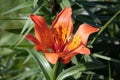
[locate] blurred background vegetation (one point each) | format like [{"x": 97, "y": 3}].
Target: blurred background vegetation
[{"x": 17, "y": 64}]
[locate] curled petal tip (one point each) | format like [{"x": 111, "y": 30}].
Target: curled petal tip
[
  {"x": 85, "y": 30},
  {"x": 90, "y": 27},
  {"x": 31, "y": 15}
]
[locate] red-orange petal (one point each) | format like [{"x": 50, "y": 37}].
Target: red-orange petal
[
  {"x": 42, "y": 32},
  {"x": 39, "y": 46},
  {"x": 39, "y": 21},
  {"x": 66, "y": 60},
  {"x": 63, "y": 18},
  {"x": 73, "y": 43},
  {"x": 81, "y": 50},
  {"x": 63, "y": 26},
  {"x": 84, "y": 31},
  {"x": 32, "y": 38},
  {"x": 80, "y": 37},
  {"x": 40, "y": 26},
  {"x": 52, "y": 57}
]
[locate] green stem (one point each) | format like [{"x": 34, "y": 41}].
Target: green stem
[
  {"x": 104, "y": 27},
  {"x": 109, "y": 70},
  {"x": 55, "y": 68}
]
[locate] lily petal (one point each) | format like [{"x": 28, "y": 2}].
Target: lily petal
[
  {"x": 81, "y": 50},
  {"x": 66, "y": 59},
  {"x": 52, "y": 57},
  {"x": 42, "y": 32},
  {"x": 63, "y": 26},
  {"x": 39, "y": 21},
  {"x": 84, "y": 31},
  {"x": 39, "y": 46},
  {"x": 64, "y": 19},
  {"x": 80, "y": 37},
  {"x": 73, "y": 43}
]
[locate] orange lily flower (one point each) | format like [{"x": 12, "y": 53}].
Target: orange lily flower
[{"x": 58, "y": 43}]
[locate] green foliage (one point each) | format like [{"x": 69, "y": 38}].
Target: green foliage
[
  {"x": 78, "y": 68},
  {"x": 20, "y": 61},
  {"x": 42, "y": 62}
]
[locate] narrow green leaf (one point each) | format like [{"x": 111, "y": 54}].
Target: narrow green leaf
[
  {"x": 42, "y": 62},
  {"x": 54, "y": 71},
  {"x": 92, "y": 15},
  {"x": 27, "y": 59},
  {"x": 35, "y": 3},
  {"x": 8, "y": 40},
  {"x": 104, "y": 27},
  {"x": 18, "y": 42},
  {"x": 12, "y": 18},
  {"x": 64, "y": 3},
  {"x": 36, "y": 10},
  {"x": 23, "y": 5},
  {"x": 109, "y": 70},
  {"x": 78, "y": 68},
  {"x": 57, "y": 69},
  {"x": 28, "y": 26},
  {"x": 26, "y": 74},
  {"x": 106, "y": 58}
]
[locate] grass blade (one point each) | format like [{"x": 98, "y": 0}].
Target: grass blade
[
  {"x": 78, "y": 68},
  {"x": 104, "y": 27},
  {"x": 42, "y": 62},
  {"x": 27, "y": 26},
  {"x": 106, "y": 58},
  {"x": 64, "y": 3},
  {"x": 26, "y": 74},
  {"x": 23, "y": 5},
  {"x": 93, "y": 16}
]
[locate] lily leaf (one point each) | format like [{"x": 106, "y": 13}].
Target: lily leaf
[
  {"x": 106, "y": 58},
  {"x": 28, "y": 27},
  {"x": 26, "y": 74},
  {"x": 23, "y": 5},
  {"x": 42, "y": 63},
  {"x": 78, "y": 68},
  {"x": 64, "y": 3}
]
